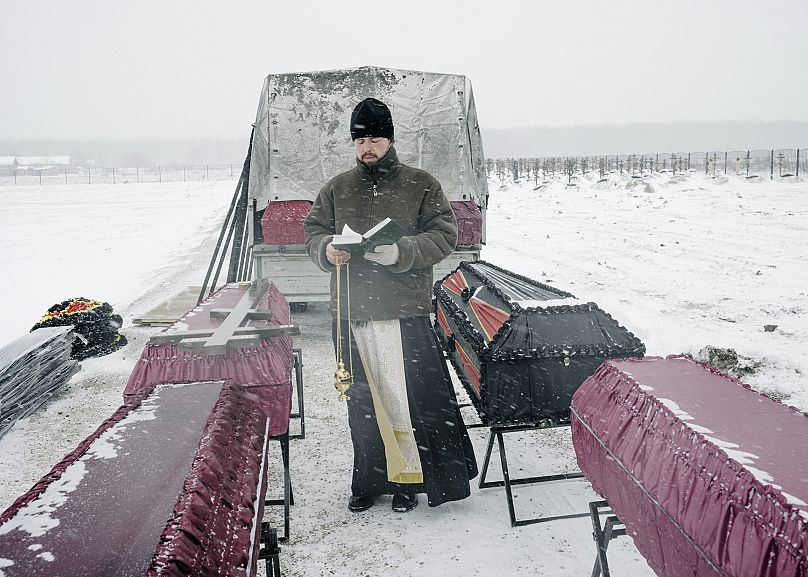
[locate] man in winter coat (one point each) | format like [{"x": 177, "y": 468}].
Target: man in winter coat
[{"x": 407, "y": 434}]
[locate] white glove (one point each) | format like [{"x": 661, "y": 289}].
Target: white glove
[{"x": 386, "y": 254}]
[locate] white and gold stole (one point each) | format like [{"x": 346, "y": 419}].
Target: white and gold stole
[{"x": 382, "y": 354}]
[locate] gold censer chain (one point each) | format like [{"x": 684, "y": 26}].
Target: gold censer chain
[{"x": 343, "y": 379}]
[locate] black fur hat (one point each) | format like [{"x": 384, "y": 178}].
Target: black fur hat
[{"x": 371, "y": 117}]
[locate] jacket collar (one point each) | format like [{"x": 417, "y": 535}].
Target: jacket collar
[{"x": 386, "y": 167}]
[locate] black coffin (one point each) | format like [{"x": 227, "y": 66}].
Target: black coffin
[{"x": 522, "y": 348}]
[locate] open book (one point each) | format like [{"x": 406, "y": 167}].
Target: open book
[{"x": 387, "y": 231}]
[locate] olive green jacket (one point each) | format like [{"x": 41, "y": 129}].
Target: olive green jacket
[{"x": 360, "y": 198}]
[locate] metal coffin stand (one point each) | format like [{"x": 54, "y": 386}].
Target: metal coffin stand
[
  {"x": 603, "y": 534},
  {"x": 270, "y": 551},
  {"x": 269, "y": 535},
  {"x": 521, "y": 362},
  {"x": 497, "y": 433},
  {"x": 288, "y": 496},
  {"x": 297, "y": 367}
]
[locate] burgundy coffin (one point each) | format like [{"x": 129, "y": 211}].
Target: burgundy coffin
[
  {"x": 171, "y": 484},
  {"x": 709, "y": 477},
  {"x": 469, "y": 223},
  {"x": 265, "y": 370},
  {"x": 282, "y": 222}
]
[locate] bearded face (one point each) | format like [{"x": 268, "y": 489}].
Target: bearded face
[{"x": 371, "y": 148}]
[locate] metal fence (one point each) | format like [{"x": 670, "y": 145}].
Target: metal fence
[
  {"x": 10, "y": 175},
  {"x": 774, "y": 164}
]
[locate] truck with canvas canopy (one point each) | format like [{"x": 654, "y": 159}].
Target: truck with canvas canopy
[{"x": 301, "y": 139}]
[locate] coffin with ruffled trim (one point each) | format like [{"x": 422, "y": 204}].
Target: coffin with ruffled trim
[
  {"x": 709, "y": 476},
  {"x": 520, "y": 347},
  {"x": 265, "y": 369},
  {"x": 173, "y": 483}
]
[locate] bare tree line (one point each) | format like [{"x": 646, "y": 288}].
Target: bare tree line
[{"x": 773, "y": 164}]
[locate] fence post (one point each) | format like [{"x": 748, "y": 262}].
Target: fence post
[
  {"x": 15, "y": 171},
  {"x": 771, "y": 172},
  {"x": 40, "y": 177},
  {"x": 725, "y": 162},
  {"x": 798, "y": 162},
  {"x": 65, "y": 175},
  {"x": 231, "y": 170},
  {"x": 207, "y": 174},
  {"x": 113, "y": 175},
  {"x": 160, "y": 174}
]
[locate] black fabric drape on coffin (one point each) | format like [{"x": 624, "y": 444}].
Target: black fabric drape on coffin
[{"x": 447, "y": 456}]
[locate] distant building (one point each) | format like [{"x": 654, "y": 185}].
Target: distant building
[{"x": 34, "y": 162}]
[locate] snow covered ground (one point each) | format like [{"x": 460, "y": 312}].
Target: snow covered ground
[{"x": 683, "y": 261}]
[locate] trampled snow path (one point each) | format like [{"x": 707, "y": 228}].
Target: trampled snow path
[{"x": 682, "y": 261}]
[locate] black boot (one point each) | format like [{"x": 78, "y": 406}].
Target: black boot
[
  {"x": 360, "y": 502},
  {"x": 403, "y": 502}
]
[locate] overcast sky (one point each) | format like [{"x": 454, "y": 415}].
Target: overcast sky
[{"x": 181, "y": 68}]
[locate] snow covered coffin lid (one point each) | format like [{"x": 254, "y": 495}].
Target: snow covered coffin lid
[
  {"x": 520, "y": 347},
  {"x": 172, "y": 484},
  {"x": 709, "y": 476}
]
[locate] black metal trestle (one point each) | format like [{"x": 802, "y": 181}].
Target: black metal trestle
[
  {"x": 269, "y": 535},
  {"x": 602, "y": 534},
  {"x": 508, "y": 482},
  {"x": 297, "y": 367},
  {"x": 288, "y": 496},
  {"x": 270, "y": 550}
]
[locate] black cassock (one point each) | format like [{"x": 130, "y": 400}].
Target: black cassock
[{"x": 446, "y": 453}]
